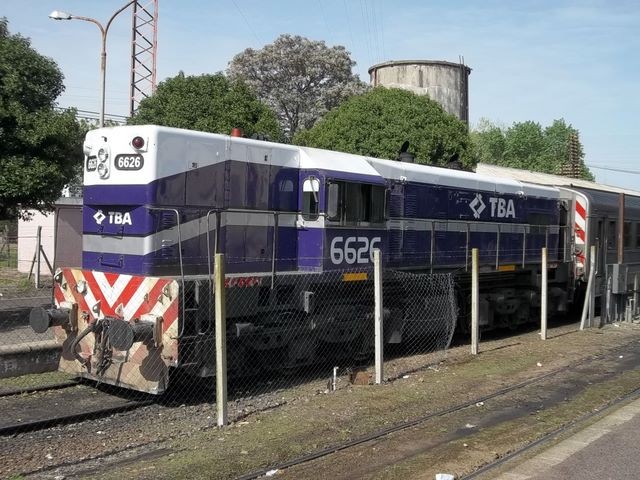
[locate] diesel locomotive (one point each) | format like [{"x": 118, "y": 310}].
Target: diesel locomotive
[{"x": 159, "y": 202}]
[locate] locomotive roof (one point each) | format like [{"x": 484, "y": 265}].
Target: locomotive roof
[
  {"x": 413, "y": 172},
  {"x": 367, "y": 168},
  {"x": 549, "y": 179},
  {"x": 337, "y": 162}
]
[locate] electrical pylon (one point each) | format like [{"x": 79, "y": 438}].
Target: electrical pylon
[{"x": 144, "y": 49}]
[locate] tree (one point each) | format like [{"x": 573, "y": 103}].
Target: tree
[
  {"x": 40, "y": 148},
  {"x": 490, "y": 143},
  {"x": 300, "y": 79},
  {"x": 378, "y": 122},
  {"x": 558, "y": 140},
  {"x": 527, "y": 145},
  {"x": 209, "y": 103}
]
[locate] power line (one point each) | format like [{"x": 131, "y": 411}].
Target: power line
[
  {"x": 611, "y": 169},
  {"x": 93, "y": 115},
  {"x": 374, "y": 28},
  {"x": 384, "y": 56},
  {"x": 346, "y": 12},
  {"x": 326, "y": 23},
  {"x": 255, "y": 35},
  {"x": 367, "y": 31}
]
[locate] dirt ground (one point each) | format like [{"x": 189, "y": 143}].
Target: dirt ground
[{"x": 587, "y": 370}]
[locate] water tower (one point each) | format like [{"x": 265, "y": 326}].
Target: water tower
[{"x": 444, "y": 82}]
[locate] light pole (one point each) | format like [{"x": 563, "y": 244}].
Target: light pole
[{"x": 57, "y": 15}]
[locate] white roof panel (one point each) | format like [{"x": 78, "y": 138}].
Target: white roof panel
[
  {"x": 413, "y": 172},
  {"x": 548, "y": 179},
  {"x": 336, "y": 161}
]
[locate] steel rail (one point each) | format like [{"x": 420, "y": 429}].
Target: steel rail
[
  {"x": 549, "y": 436},
  {"x": 45, "y": 423},
  {"x": 39, "y": 388}
]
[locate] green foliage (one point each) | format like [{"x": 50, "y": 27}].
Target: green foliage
[
  {"x": 527, "y": 145},
  {"x": 300, "y": 79},
  {"x": 209, "y": 103},
  {"x": 378, "y": 122},
  {"x": 40, "y": 149}
]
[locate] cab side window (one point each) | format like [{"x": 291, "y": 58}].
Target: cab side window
[
  {"x": 310, "y": 202},
  {"x": 350, "y": 203}
]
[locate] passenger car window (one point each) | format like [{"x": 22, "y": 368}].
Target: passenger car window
[
  {"x": 611, "y": 235},
  {"x": 627, "y": 235}
]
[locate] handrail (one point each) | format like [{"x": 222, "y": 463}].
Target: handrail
[
  {"x": 274, "y": 243},
  {"x": 498, "y": 248},
  {"x": 524, "y": 247},
  {"x": 274, "y": 238},
  {"x": 174, "y": 210}
]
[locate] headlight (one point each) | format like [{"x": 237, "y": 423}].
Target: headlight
[
  {"x": 103, "y": 155},
  {"x": 103, "y": 170}
]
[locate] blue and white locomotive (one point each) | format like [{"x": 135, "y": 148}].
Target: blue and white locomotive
[
  {"x": 159, "y": 202},
  {"x": 151, "y": 210}
]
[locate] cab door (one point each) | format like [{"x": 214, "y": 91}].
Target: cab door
[{"x": 310, "y": 222}]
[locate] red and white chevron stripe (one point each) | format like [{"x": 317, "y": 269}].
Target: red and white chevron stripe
[
  {"x": 580, "y": 229},
  {"x": 120, "y": 296}
]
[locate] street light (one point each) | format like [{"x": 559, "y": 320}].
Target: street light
[{"x": 58, "y": 15}]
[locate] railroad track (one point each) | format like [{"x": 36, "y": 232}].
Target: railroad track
[
  {"x": 45, "y": 407},
  {"x": 40, "y": 388},
  {"x": 486, "y": 469},
  {"x": 573, "y": 367}
]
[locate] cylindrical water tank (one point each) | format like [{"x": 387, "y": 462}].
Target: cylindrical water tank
[{"x": 445, "y": 82}]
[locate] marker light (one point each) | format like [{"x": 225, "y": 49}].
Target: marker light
[{"x": 137, "y": 142}]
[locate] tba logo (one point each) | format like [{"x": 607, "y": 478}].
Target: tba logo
[
  {"x": 477, "y": 205},
  {"x": 99, "y": 217},
  {"x": 115, "y": 218}
]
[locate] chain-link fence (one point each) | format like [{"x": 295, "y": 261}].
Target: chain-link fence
[
  {"x": 304, "y": 328},
  {"x": 293, "y": 333},
  {"x": 27, "y": 248},
  {"x": 421, "y": 318},
  {"x": 18, "y": 296},
  {"x": 8, "y": 245},
  {"x": 310, "y": 330},
  {"x": 22, "y": 251}
]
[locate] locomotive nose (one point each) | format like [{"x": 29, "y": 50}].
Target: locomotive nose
[{"x": 42, "y": 319}]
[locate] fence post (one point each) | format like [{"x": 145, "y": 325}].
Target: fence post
[
  {"x": 379, "y": 314},
  {"x": 636, "y": 286},
  {"x": 589, "y": 298},
  {"x": 592, "y": 293},
  {"x": 544, "y": 300},
  {"x": 221, "y": 340},
  {"x": 475, "y": 310},
  {"x": 38, "y": 243}
]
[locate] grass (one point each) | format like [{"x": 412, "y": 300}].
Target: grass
[
  {"x": 33, "y": 380},
  {"x": 8, "y": 255},
  {"x": 16, "y": 284}
]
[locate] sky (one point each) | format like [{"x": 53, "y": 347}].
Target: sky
[{"x": 530, "y": 60}]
